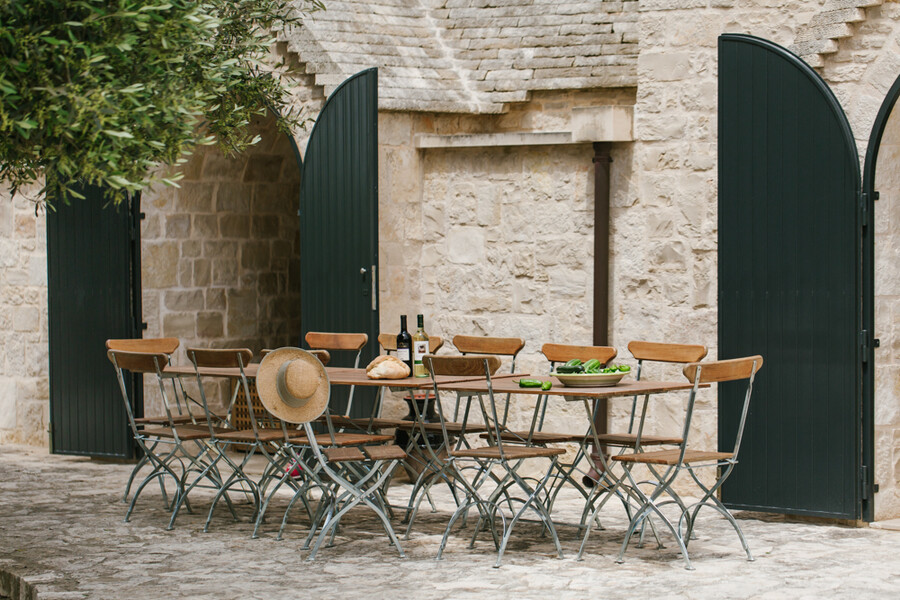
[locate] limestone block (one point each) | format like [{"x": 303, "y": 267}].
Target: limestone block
[
  {"x": 205, "y": 226},
  {"x": 180, "y": 325},
  {"x": 8, "y": 253},
  {"x": 217, "y": 167},
  {"x": 233, "y": 197},
  {"x": 215, "y": 299},
  {"x": 178, "y": 226},
  {"x": 263, "y": 167},
  {"x": 241, "y": 313},
  {"x": 183, "y": 301},
  {"x": 195, "y": 197},
  {"x": 31, "y": 425},
  {"x": 276, "y": 198},
  {"x": 159, "y": 264},
  {"x": 887, "y": 395},
  {"x": 224, "y": 271},
  {"x": 255, "y": 255},
  {"x": 264, "y": 227},
  {"x": 26, "y": 318},
  {"x": 665, "y": 66},
  {"x": 568, "y": 283},
  {"x": 602, "y": 124},
  {"x": 210, "y": 325},
  {"x": 7, "y": 403}
]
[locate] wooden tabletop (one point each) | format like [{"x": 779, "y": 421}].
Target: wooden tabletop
[
  {"x": 340, "y": 376},
  {"x": 623, "y": 388}
]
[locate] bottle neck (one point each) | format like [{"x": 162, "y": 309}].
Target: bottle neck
[{"x": 403, "y": 323}]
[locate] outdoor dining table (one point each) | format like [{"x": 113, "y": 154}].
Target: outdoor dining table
[{"x": 587, "y": 395}]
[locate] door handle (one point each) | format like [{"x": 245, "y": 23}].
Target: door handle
[
  {"x": 362, "y": 270},
  {"x": 374, "y": 287}
]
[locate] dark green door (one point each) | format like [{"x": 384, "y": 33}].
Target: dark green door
[
  {"x": 339, "y": 224},
  {"x": 94, "y": 294},
  {"x": 790, "y": 283}
]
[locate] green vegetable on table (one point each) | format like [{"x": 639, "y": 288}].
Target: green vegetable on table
[
  {"x": 527, "y": 383},
  {"x": 535, "y": 383}
]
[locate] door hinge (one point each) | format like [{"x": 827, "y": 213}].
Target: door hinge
[
  {"x": 864, "y": 210},
  {"x": 864, "y": 345},
  {"x": 864, "y": 481}
]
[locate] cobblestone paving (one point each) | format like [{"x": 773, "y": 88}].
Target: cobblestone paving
[{"x": 62, "y": 532}]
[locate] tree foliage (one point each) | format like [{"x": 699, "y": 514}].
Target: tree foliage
[{"x": 108, "y": 91}]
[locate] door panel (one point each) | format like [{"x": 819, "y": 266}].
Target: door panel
[
  {"x": 92, "y": 277},
  {"x": 789, "y": 282},
  {"x": 339, "y": 224}
]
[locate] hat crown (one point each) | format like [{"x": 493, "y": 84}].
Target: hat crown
[{"x": 301, "y": 379}]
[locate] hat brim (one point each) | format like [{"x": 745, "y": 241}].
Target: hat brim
[{"x": 270, "y": 396}]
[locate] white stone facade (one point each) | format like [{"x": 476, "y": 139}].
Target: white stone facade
[{"x": 495, "y": 237}]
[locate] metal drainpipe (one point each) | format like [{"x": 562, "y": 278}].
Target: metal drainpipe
[{"x": 602, "y": 159}]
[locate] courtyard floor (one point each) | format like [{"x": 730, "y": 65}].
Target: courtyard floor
[{"x": 62, "y": 535}]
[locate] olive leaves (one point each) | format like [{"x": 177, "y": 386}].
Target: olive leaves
[{"x": 109, "y": 91}]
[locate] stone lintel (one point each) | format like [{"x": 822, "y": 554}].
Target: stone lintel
[
  {"x": 476, "y": 140},
  {"x": 603, "y": 124},
  {"x": 588, "y": 124}
]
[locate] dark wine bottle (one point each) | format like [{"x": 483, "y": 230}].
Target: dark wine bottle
[{"x": 405, "y": 345}]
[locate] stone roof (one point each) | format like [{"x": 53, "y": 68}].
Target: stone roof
[{"x": 470, "y": 56}]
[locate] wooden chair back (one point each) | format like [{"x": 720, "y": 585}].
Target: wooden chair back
[
  {"x": 723, "y": 370},
  {"x": 157, "y": 345},
  {"x": 220, "y": 357},
  {"x": 461, "y": 365},
  {"x": 323, "y": 355},
  {"x": 662, "y": 352},
  {"x": 561, "y": 353},
  {"x": 470, "y": 344},
  {"x": 318, "y": 340},
  {"x": 388, "y": 342},
  {"x": 138, "y": 362}
]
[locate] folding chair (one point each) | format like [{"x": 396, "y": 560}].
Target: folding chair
[
  {"x": 352, "y": 342},
  {"x": 536, "y": 435},
  {"x": 507, "y": 458},
  {"x": 293, "y": 385},
  {"x": 249, "y": 441},
  {"x": 666, "y": 465},
  {"x": 493, "y": 346},
  {"x": 166, "y": 346},
  {"x": 164, "y": 446}
]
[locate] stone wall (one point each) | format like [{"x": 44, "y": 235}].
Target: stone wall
[
  {"x": 887, "y": 322},
  {"x": 24, "y": 387},
  {"x": 220, "y": 254}
]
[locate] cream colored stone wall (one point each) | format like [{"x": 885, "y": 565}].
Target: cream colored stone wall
[
  {"x": 220, "y": 254},
  {"x": 887, "y": 322},
  {"x": 24, "y": 388}
]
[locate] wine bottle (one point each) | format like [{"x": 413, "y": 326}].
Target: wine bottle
[
  {"x": 404, "y": 344},
  {"x": 420, "y": 348}
]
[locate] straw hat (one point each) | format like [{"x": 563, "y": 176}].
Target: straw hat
[{"x": 292, "y": 384}]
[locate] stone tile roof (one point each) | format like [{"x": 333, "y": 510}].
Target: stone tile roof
[{"x": 470, "y": 56}]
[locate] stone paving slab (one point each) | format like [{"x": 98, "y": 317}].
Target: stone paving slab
[{"x": 62, "y": 531}]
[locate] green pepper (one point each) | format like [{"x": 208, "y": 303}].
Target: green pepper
[
  {"x": 546, "y": 385},
  {"x": 528, "y": 383},
  {"x": 624, "y": 368}
]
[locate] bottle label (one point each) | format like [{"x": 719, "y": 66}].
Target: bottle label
[
  {"x": 403, "y": 354},
  {"x": 420, "y": 350}
]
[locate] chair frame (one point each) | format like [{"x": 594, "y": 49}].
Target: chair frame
[
  {"x": 148, "y": 439},
  {"x": 684, "y": 459},
  {"x": 495, "y": 454}
]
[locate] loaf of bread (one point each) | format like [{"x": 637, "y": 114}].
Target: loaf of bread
[{"x": 387, "y": 367}]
